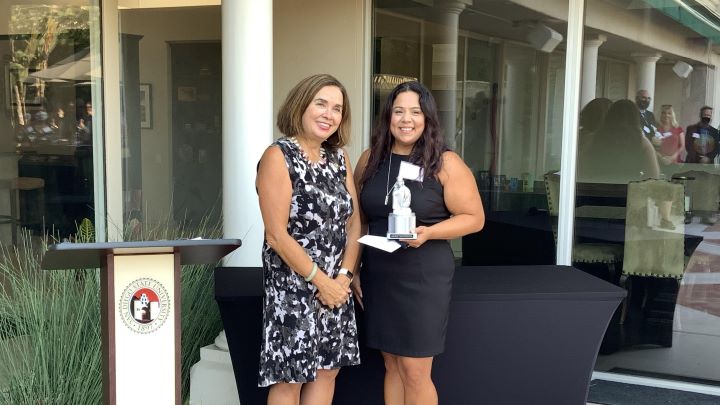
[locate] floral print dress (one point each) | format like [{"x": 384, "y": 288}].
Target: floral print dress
[{"x": 300, "y": 335}]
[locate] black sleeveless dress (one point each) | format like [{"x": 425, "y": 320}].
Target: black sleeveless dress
[{"x": 406, "y": 293}]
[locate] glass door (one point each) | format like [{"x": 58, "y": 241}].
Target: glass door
[{"x": 50, "y": 121}]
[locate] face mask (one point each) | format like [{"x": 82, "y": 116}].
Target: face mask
[{"x": 705, "y": 120}]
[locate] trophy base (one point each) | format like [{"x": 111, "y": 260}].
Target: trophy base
[{"x": 395, "y": 235}]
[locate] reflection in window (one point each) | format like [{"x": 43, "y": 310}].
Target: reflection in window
[
  {"x": 47, "y": 124},
  {"x": 500, "y": 100},
  {"x": 172, "y": 101},
  {"x": 648, "y": 73}
]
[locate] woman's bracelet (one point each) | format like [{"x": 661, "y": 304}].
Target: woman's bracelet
[{"x": 312, "y": 274}]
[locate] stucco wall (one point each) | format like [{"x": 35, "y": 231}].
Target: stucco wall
[{"x": 322, "y": 36}]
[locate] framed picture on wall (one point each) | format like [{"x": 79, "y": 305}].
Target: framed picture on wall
[
  {"x": 187, "y": 94},
  {"x": 146, "y": 105}
]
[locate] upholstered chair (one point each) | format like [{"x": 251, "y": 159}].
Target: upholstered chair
[
  {"x": 608, "y": 254},
  {"x": 654, "y": 234}
]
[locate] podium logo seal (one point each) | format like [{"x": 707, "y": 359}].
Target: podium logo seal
[{"x": 144, "y": 305}]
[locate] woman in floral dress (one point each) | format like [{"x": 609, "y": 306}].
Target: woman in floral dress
[{"x": 307, "y": 199}]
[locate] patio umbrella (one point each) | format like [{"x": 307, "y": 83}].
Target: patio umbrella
[{"x": 76, "y": 67}]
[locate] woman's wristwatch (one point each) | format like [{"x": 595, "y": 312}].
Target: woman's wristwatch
[{"x": 346, "y": 272}]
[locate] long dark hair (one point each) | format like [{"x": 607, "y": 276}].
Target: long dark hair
[
  {"x": 622, "y": 115},
  {"x": 427, "y": 151}
]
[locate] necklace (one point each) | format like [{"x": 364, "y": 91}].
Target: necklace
[
  {"x": 320, "y": 161},
  {"x": 387, "y": 184}
]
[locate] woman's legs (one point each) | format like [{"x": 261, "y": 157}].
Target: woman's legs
[
  {"x": 394, "y": 391},
  {"x": 284, "y": 394},
  {"x": 417, "y": 382},
  {"x": 320, "y": 391}
]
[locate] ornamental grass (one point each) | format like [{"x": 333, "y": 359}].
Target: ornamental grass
[{"x": 50, "y": 320}]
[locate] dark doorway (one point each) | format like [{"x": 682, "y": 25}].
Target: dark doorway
[{"x": 196, "y": 85}]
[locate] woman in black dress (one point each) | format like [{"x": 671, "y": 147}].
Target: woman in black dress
[
  {"x": 406, "y": 294},
  {"x": 307, "y": 196}
]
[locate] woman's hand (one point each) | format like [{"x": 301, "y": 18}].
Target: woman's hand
[
  {"x": 343, "y": 280},
  {"x": 331, "y": 292},
  {"x": 423, "y": 235},
  {"x": 357, "y": 290}
]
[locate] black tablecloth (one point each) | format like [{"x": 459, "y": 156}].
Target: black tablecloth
[
  {"x": 517, "y": 334},
  {"x": 516, "y": 238}
]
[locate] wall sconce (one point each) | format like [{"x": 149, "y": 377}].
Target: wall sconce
[
  {"x": 682, "y": 69},
  {"x": 544, "y": 38}
]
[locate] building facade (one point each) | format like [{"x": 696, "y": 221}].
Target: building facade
[{"x": 135, "y": 113}]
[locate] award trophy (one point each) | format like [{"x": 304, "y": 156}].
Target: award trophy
[{"x": 401, "y": 222}]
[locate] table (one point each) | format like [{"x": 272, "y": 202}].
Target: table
[
  {"x": 516, "y": 334},
  {"x": 67, "y": 196},
  {"x": 507, "y": 233}
]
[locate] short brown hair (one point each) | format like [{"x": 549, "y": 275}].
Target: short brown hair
[{"x": 289, "y": 118}]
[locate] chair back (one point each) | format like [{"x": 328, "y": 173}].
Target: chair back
[
  {"x": 704, "y": 190},
  {"x": 552, "y": 191},
  {"x": 654, "y": 229}
]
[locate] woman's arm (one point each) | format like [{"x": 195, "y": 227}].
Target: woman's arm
[
  {"x": 275, "y": 195},
  {"x": 691, "y": 155},
  {"x": 360, "y": 169},
  {"x": 652, "y": 165},
  {"x": 352, "y": 246},
  {"x": 461, "y": 197},
  {"x": 681, "y": 147}
]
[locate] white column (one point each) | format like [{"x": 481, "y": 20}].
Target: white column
[
  {"x": 568, "y": 161},
  {"x": 645, "y": 63},
  {"x": 107, "y": 149},
  {"x": 247, "y": 49},
  {"x": 589, "y": 68},
  {"x": 247, "y": 102},
  {"x": 444, "y": 65}
]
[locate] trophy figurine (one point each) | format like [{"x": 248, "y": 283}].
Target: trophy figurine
[{"x": 401, "y": 222}]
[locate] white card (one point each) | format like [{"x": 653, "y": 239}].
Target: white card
[
  {"x": 646, "y": 129},
  {"x": 666, "y": 134},
  {"x": 410, "y": 171},
  {"x": 380, "y": 242},
  {"x": 696, "y": 135}
]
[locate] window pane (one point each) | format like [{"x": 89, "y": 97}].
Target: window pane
[
  {"x": 171, "y": 73},
  {"x": 641, "y": 119},
  {"x": 499, "y": 91},
  {"x": 50, "y": 99}
]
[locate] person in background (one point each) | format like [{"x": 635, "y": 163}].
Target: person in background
[
  {"x": 647, "y": 118},
  {"x": 42, "y": 126},
  {"x": 308, "y": 205},
  {"x": 618, "y": 153},
  {"x": 669, "y": 141},
  {"x": 406, "y": 294},
  {"x": 701, "y": 139},
  {"x": 592, "y": 118},
  {"x": 63, "y": 124},
  {"x": 85, "y": 124}
]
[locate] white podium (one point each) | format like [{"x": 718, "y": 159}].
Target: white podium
[{"x": 140, "y": 306}]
